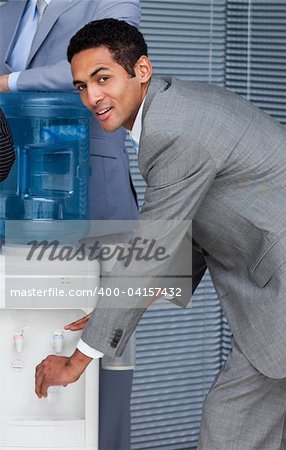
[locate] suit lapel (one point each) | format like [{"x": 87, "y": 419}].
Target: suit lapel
[
  {"x": 17, "y": 9},
  {"x": 156, "y": 85},
  {"x": 51, "y": 15}
]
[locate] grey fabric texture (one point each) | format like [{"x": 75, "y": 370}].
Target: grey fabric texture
[
  {"x": 244, "y": 409},
  {"x": 210, "y": 156}
]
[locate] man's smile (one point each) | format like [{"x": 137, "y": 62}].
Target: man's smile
[{"x": 103, "y": 113}]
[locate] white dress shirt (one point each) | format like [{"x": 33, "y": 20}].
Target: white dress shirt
[
  {"x": 20, "y": 50},
  {"x": 135, "y": 133},
  {"x": 88, "y": 351}
]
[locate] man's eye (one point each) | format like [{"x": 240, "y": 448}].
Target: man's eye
[
  {"x": 80, "y": 87},
  {"x": 103, "y": 79}
]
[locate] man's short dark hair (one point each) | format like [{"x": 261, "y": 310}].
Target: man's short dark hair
[{"x": 124, "y": 41}]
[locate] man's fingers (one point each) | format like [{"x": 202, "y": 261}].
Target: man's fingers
[
  {"x": 39, "y": 381},
  {"x": 53, "y": 371},
  {"x": 44, "y": 389},
  {"x": 38, "y": 367},
  {"x": 41, "y": 387},
  {"x": 78, "y": 324},
  {"x": 75, "y": 326}
]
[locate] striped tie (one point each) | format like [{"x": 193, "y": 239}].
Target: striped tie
[
  {"x": 41, "y": 6},
  {"x": 135, "y": 144}
]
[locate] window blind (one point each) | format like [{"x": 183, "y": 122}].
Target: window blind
[{"x": 256, "y": 53}]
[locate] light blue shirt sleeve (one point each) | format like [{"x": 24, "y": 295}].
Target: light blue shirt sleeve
[{"x": 12, "y": 81}]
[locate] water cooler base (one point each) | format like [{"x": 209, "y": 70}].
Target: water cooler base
[{"x": 65, "y": 420}]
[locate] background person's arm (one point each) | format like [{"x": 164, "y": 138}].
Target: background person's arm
[
  {"x": 7, "y": 152},
  {"x": 57, "y": 76}
]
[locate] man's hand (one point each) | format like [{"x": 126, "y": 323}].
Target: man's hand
[
  {"x": 4, "y": 83},
  {"x": 79, "y": 324},
  {"x": 59, "y": 371}
]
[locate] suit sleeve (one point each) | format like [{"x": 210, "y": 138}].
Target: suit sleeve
[
  {"x": 57, "y": 77},
  {"x": 7, "y": 153},
  {"x": 129, "y": 10},
  {"x": 178, "y": 177}
]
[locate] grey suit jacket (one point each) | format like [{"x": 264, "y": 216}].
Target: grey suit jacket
[
  {"x": 111, "y": 195},
  {"x": 212, "y": 157}
]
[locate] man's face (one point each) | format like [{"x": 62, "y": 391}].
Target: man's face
[{"x": 106, "y": 89}]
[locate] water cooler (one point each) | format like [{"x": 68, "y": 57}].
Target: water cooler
[
  {"x": 49, "y": 180},
  {"x": 45, "y": 197}
]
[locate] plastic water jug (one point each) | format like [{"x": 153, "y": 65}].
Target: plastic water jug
[{"x": 49, "y": 180}]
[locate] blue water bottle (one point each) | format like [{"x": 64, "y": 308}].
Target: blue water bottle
[{"x": 47, "y": 187}]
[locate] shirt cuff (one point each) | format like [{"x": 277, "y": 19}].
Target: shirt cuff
[
  {"x": 88, "y": 351},
  {"x": 12, "y": 81}
]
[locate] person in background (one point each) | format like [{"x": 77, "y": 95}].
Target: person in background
[
  {"x": 34, "y": 39},
  {"x": 7, "y": 152}
]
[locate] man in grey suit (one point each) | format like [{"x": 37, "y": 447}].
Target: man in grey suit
[
  {"x": 211, "y": 157},
  {"x": 34, "y": 38}
]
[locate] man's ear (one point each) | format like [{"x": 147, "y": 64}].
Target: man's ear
[{"x": 143, "y": 69}]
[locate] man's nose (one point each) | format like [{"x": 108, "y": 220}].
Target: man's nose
[{"x": 94, "y": 96}]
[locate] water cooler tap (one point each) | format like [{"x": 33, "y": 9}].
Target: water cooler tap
[
  {"x": 19, "y": 340},
  {"x": 58, "y": 341}
]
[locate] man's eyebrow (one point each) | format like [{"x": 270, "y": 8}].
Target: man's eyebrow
[
  {"x": 98, "y": 70},
  {"x": 95, "y": 72}
]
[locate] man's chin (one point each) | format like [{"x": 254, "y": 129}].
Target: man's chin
[{"x": 109, "y": 128}]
